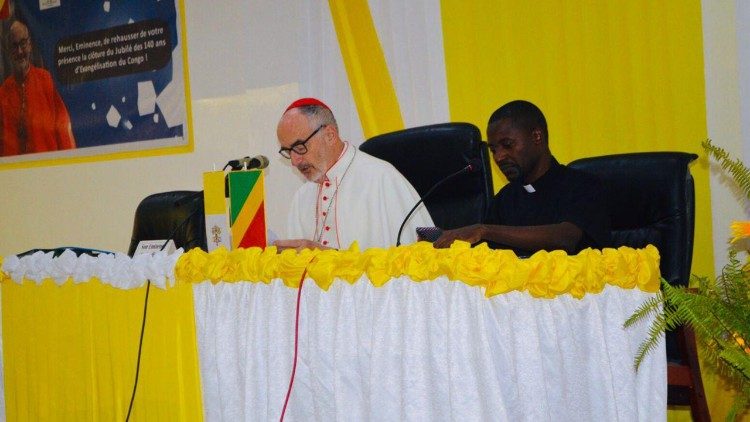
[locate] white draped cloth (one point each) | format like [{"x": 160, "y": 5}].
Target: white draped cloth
[
  {"x": 364, "y": 199},
  {"x": 436, "y": 350}
]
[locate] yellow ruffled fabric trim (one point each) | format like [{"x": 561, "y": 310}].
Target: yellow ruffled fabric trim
[{"x": 545, "y": 274}]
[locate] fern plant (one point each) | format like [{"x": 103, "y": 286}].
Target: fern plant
[{"x": 718, "y": 310}]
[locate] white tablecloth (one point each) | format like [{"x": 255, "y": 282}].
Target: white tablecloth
[{"x": 436, "y": 350}]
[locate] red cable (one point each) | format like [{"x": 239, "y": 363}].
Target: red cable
[{"x": 296, "y": 338}]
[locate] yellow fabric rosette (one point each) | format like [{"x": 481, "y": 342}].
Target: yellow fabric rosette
[
  {"x": 481, "y": 266},
  {"x": 378, "y": 265},
  {"x": 615, "y": 268},
  {"x": 590, "y": 277},
  {"x": 563, "y": 273},
  {"x": 419, "y": 261},
  {"x": 330, "y": 264},
  {"x": 540, "y": 267},
  {"x": 649, "y": 275},
  {"x": 291, "y": 265},
  {"x": 189, "y": 267},
  {"x": 255, "y": 264}
]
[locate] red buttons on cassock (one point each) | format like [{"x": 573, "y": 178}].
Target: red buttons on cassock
[
  {"x": 324, "y": 213},
  {"x": 325, "y": 198},
  {"x": 325, "y": 242},
  {"x": 328, "y": 184},
  {"x": 328, "y": 228}
]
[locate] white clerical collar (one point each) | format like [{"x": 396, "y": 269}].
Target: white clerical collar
[{"x": 338, "y": 169}]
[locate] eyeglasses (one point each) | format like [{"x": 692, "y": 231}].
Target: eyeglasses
[
  {"x": 22, "y": 43},
  {"x": 299, "y": 147}
]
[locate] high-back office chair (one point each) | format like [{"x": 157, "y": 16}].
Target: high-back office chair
[
  {"x": 427, "y": 154},
  {"x": 176, "y": 215},
  {"x": 651, "y": 199}
]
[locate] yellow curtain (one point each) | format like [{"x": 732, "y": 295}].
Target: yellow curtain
[
  {"x": 369, "y": 78},
  {"x": 611, "y": 76},
  {"x": 69, "y": 353}
]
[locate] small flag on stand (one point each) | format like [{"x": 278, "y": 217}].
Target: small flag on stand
[
  {"x": 215, "y": 206},
  {"x": 247, "y": 215}
]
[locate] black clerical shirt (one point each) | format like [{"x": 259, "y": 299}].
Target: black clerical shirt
[{"x": 561, "y": 195}]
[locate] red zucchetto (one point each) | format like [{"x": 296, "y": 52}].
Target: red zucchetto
[{"x": 302, "y": 102}]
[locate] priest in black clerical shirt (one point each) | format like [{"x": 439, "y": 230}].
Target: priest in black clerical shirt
[{"x": 546, "y": 205}]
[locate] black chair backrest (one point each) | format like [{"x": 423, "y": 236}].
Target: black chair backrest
[
  {"x": 651, "y": 199},
  {"x": 427, "y": 154},
  {"x": 176, "y": 215}
]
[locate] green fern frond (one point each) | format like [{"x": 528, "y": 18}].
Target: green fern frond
[
  {"x": 734, "y": 284},
  {"x": 741, "y": 402},
  {"x": 709, "y": 316},
  {"x": 737, "y": 359},
  {"x": 740, "y": 173},
  {"x": 712, "y": 320},
  {"x": 655, "y": 335},
  {"x": 652, "y": 306}
]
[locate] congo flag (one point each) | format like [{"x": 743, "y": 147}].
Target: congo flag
[{"x": 247, "y": 216}]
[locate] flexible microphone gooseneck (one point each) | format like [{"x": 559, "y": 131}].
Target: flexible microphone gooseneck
[{"x": 473, "y": 165}]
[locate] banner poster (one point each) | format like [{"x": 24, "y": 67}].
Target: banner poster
[{"x": 93, "y": 79}]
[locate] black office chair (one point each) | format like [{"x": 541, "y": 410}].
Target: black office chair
[
  {"x": 651, "y": 199},
  {"x": 176, "y": 215},
  {"x": 427, "y": 154}
]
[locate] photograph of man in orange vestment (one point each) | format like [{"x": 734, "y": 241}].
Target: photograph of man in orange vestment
[{"x": 33, "y": 117}]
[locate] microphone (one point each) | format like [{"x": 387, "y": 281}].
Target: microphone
[
  {"x": 247, "y": 163},
  {"x": 473, "y": 164}
]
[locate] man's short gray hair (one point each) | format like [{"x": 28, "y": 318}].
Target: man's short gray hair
[{"x": 319, "y": 116}]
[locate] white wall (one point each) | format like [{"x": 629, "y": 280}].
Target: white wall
[
  {"x": 742, "y": 40},
  {"x": 726, "y": 44}
]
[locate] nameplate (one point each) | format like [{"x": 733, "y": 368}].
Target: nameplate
[{"x": 151, "y": 246}]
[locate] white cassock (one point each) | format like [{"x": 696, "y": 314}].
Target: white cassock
[{"x": 363, "y": 198}]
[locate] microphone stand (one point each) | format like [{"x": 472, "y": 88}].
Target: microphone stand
[{"x": 466, "y": 169}]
